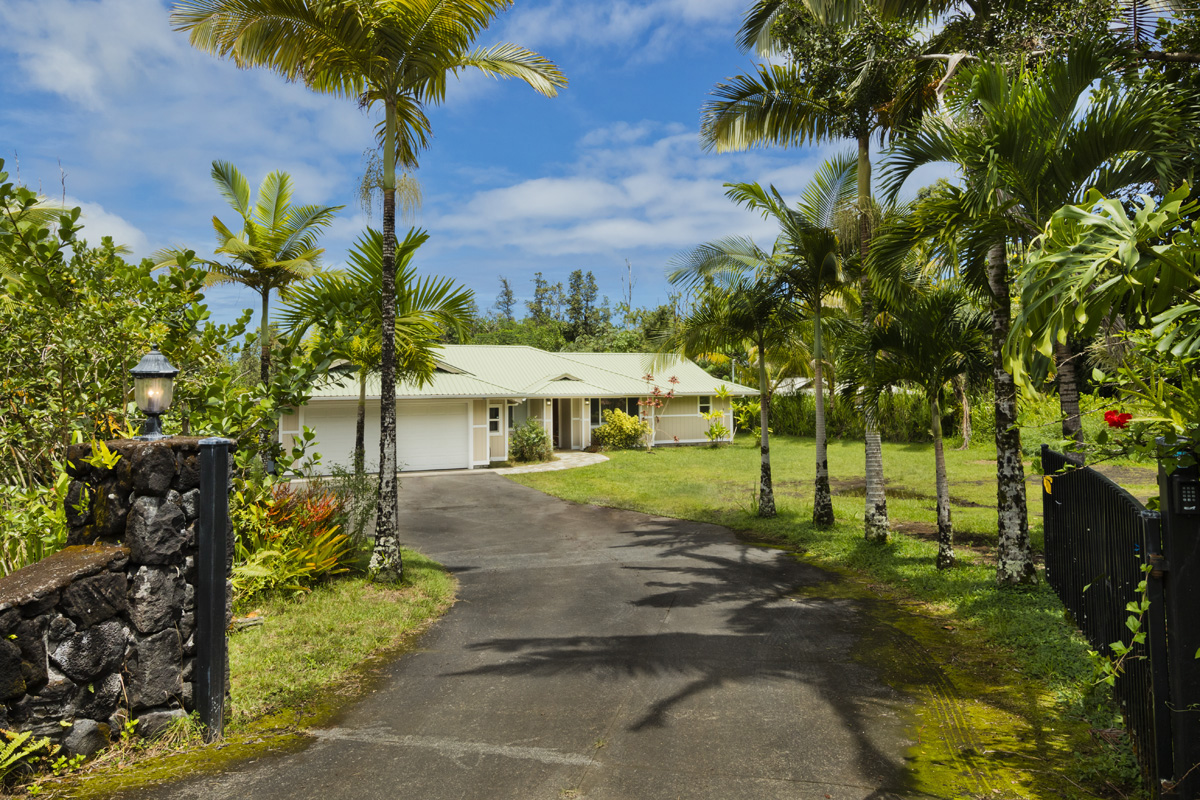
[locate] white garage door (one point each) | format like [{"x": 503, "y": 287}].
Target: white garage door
[
  {"x": 432, "y": 436},
  {"x": 429, "y": 435}
]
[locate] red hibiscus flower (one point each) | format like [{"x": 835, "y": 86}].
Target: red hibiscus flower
[{"x": 1116, "y": 419}]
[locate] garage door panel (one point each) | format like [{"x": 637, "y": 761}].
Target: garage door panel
[
  {"x": 432, "y": 436},
  {"x": 335, "y": 429},
  {"x": 428, "y": 435}
]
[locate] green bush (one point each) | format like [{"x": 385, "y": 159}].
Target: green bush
[
  {"x": 903, "y": 416},
  {"x": 35, "y": 523},
  {"x": 620, "y": 431},
  {"x": 287, "y": 541},
  {"x": 530, "y": 443},
  {"x": 359, "y": 495}
]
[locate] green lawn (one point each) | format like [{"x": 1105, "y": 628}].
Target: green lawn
[{"x": 1013, "y": 645}]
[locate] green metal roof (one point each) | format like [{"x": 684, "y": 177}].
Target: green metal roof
[{"x": 519, "y": 371}]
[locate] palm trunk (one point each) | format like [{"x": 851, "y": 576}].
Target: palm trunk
[
  {"x": 945, "y": 556},
  {"x": 1015, "y": 558},
  {"x": 360, "y": 424},
  {"x": 875, "y": 515},
  {"x": 264, "y": 375},
  {"x": 386, "y": 561},
  {"x": 822, "y": 501},
  {"x": 1068, "y": 392},
  {"x": 960, "y": 393},
  {"x": 766, "y": 494}
]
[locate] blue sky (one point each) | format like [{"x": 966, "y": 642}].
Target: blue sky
[{"x": 514, "y": 183}]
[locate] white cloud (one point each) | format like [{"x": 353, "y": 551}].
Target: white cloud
[
  {"x": 99, "y": 222},
  {"x": 624, "y": 24},
  {"x": 86, "y": 51},
  {"x": 629, "y": 190}
]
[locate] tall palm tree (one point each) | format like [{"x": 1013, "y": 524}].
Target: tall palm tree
[
  {"x": 347, "y": 308},
  {"x": 744, "y": 300},
  {"x": 1025, "y": 147},
  {"x": 858, "y": 93},
  {"x": 807, "y": 261},
  {"x": 396, "y": 54},
  {"x": 274, "y": 247},
  {"x": 935, "y": 336}
]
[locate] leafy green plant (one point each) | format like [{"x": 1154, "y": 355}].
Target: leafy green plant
[
  {"x": 35, "y": 523},
  {"x": 746, "y": 415},
  {"x": 21, "y": 750},
  {"x": 716, "y": 431},
  {"x": 620, "y": 431},
  {"x": 359, "y": 493},
  {"x": 287, "y": 540},
  {"x": 530, "y": 443}
]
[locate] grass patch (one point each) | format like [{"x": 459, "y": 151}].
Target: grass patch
[
  {"x": 1022, "y": 669},
  {"x": 306, "y": 648},
  {"x": 309, "y": 657}
]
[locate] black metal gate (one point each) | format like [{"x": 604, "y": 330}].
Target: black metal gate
[{"x": 1101, "y": 543}]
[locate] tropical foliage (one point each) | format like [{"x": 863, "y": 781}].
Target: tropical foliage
[
  {"x": 938, "y": 335},
  {"x": 400, "y": 56},
  {"x": 620, "y": 431},
  {"x": 530, "y": 443},
  {"x": 288, "y": 540},
  {"x": 346, "y": 310},
  {"x": 274, "y": 247}
]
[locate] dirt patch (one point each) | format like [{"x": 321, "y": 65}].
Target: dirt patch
[{"x": 1127, "y": 475}]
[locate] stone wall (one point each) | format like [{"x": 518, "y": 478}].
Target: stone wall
[{"x": 104, "y": 631}]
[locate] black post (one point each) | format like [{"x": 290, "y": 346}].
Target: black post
[
  {"x": 212, "y": 531},
  {"x": 1156, "y": 647},
  {"x": 1178, "y": 489}
]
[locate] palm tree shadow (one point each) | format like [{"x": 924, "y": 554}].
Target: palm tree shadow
[{"x": 763, "y": 633}]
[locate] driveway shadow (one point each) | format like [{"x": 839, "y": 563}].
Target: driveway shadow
[{"x": 761, "y": 631}]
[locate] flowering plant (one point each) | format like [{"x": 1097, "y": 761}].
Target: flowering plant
[{"x": 1116, "y": 419}]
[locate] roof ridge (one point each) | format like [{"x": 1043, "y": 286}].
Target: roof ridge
[{"x": 613, "y": 372}]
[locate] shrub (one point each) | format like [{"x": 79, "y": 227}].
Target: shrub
[
  {"x": 530, "y": 442},
  {"x": 620, "y": 431},
  {"x": 35, "y": 523},
  {"x": 716, "y": 428},
  {"x": 903, "y": 416},
  {"x": 747, "y": 416},
  {"x": 359, "y": 495},
  {"x": 287, "y": 540}
]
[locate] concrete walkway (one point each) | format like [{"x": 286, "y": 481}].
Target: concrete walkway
[
  {"x": 563, "y": 459},
  {"x": 601, "y": 654}
]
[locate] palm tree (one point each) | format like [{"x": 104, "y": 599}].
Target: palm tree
[
  {"x": 1025, "y": 148},
  {"x": 857, "y": 93},
  {"x": 399, "y": 55},
  {"x": 807, "y": 261},
  {"x": 743, "y": 301},
  {"x": 274, "y": 247},
  {"x": 346, "y": 306},
  {"x": 937, "y": 335}
]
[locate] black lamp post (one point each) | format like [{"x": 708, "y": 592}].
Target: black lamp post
[{"x": 153, "y": 386}]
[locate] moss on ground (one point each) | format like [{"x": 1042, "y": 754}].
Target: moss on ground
[{"x": 978, "y": 726}]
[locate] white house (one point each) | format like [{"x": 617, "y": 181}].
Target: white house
[{"x": 463, "y": 418}]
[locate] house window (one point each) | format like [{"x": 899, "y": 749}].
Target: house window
[
  {"x": 512, "y": 417},
  {"x": 493, "y": 419},
  {"x": 595, "y": 404},
  {"x": 705, "y": 404}
]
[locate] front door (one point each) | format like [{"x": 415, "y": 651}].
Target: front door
[{"x": 497, "y": 437}]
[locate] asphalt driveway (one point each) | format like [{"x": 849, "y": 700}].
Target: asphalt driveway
[{"x": 601, "y": 654}]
